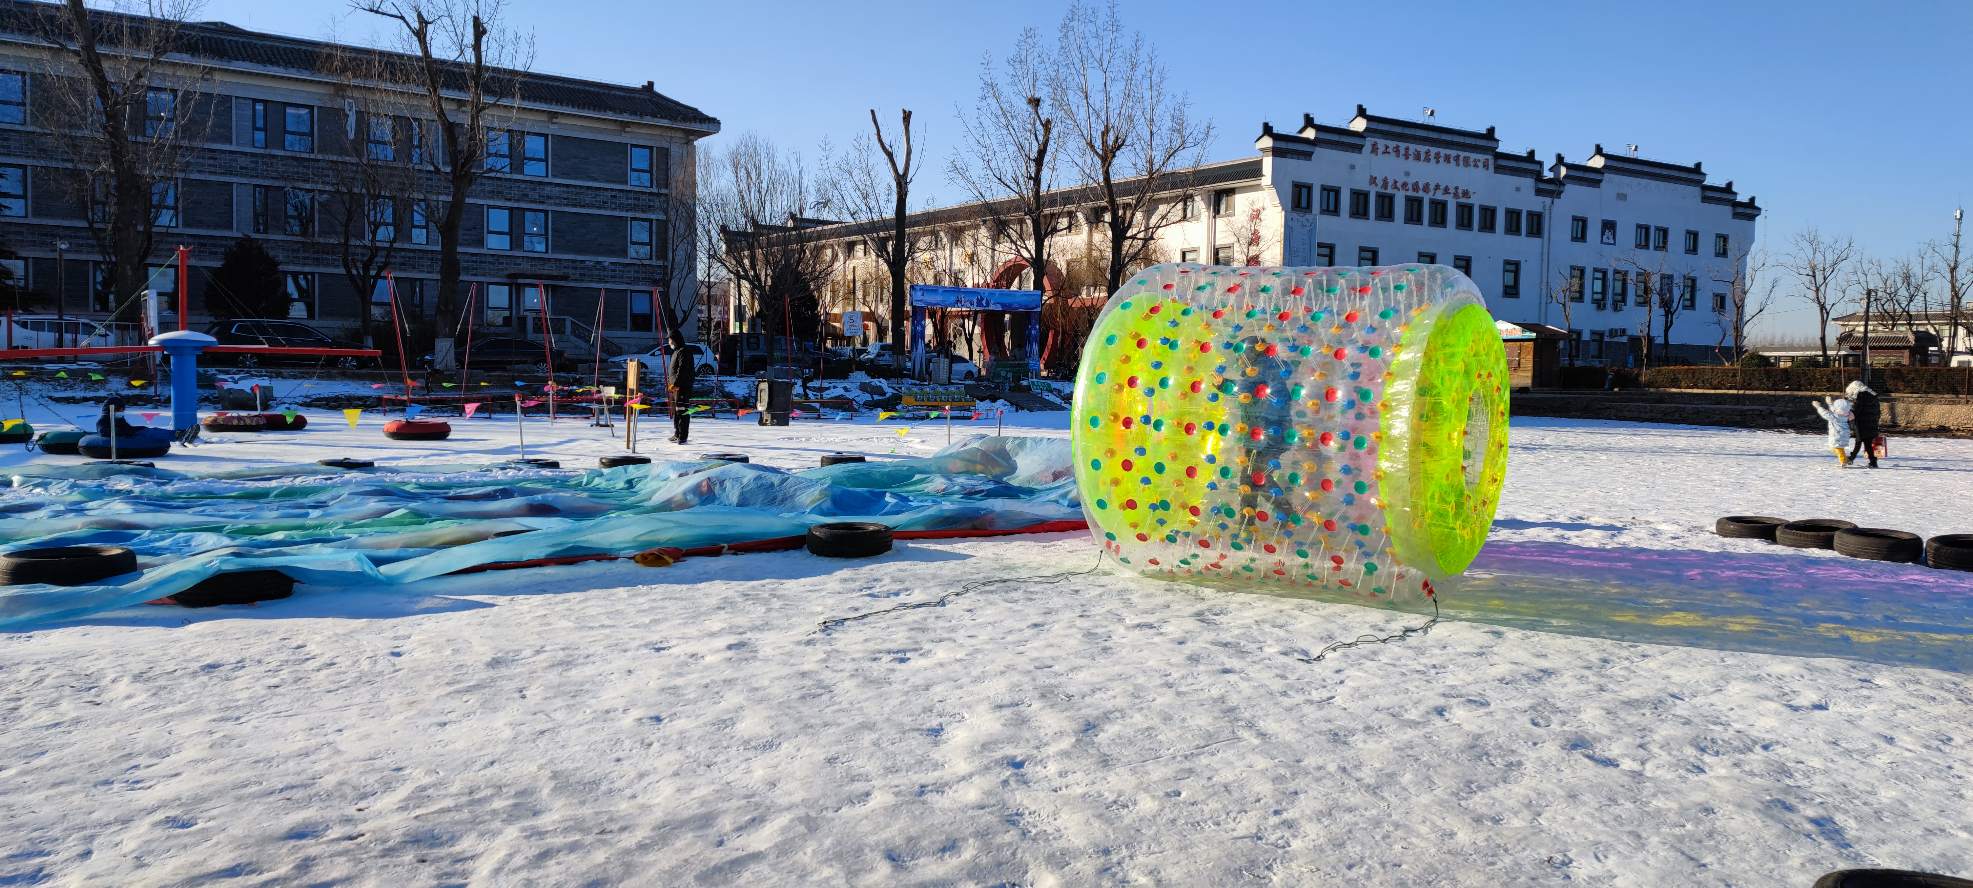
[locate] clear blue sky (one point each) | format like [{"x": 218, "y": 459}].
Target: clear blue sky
[{"x": 1849, "y": 116}]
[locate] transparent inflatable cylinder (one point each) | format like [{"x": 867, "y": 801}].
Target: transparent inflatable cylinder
[{"x": 1326, "y": 432}]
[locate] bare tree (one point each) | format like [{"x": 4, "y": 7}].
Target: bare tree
[
  {"x": 1133, "y": 140},
  {"x": 1749, "y": 294},
  {"x": 1820, "y": 263},
  {"x": 1248, "y": 235},
  {"x": 372, "y": 199},
  {"x": 1957, "y": 275},
  {"x": 464, "y": 69},
  {"x": 862, "y": 190},
  {"x": 1565, "y": 293},
  {"x": 756, "y": 206},
  {"x": 123, "y": 104},
  {"x": 1899, "y": 293},
  {"x": 1657, "y": 294}
]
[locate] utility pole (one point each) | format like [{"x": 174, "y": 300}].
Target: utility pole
[
  {"x": 61, "y": 294},
  {"x": 1868, "y": 294}
]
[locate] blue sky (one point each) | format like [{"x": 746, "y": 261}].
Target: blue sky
[{"x": 1848, "y": 116}]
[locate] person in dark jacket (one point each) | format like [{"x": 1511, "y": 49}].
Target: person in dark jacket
[
  {"x": 1866, "y": 413},
  {"x": 680, "y": 376},
  {"x": 112, "y": 417}
]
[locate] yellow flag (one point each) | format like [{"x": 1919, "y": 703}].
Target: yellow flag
[
  {"x": 138, "y": 383},
  {"x": 885, "y": 414},
  {"x": 902, "y": 432},
  {"x": 640, "y": 406},
  {"x": 8, "y": 426},
  {"x": 351, "y": 414}
]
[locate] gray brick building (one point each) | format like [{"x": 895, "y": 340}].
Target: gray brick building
[{"x": 575, "y": 199}]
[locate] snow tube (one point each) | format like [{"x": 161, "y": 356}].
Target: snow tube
[
  {"x": 726, "y": 457},
  {"x": 1952, "y": 551},
  {"x": 1878, "y": 544},
  {"x": 535, "y": 462},
  {"x": 60, "y": 441},
  {"x": 65, "y": 565},
  {"x": 235, "y": 422},
  {"x": 627, "y": 459},
  {"x": 836, "y": 459},
  {"x": 1811, "y": 533},
  {"x": 417, "y": 430},
  {"x": 239, "y": 587},
  {"x": 19, "y": 434},
  {"x": 148, "y": 442},
  {"x": 280, "y": 422},
  {"x": 849, "y": 539},
  {"x": 1886, "y": 878},
  {"x": 1748, "y": 527}
]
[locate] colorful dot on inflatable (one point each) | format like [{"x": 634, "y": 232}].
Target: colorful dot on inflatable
[{"x": 1316, "y": 431}]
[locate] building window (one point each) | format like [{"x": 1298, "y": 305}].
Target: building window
[
  {"x": 1643, "y": 239},
  {"x": 1462, "y": 216},
  {"x": 1463, "y": 264},
  {"x": 301, "y": 294},
  {"x": 1535, "y": 222},
  {"x": 534, "y": 231},
  {"x": 1575, "y": 283},
  {"x": 1387, "y": 206},
  {"x": 1578, "y": 230},
  {"x": 410, "y": 298},
  {"x": 640, "y": 166},
  {"x": 1188, "y": 255},
  {"x": 1366, "y": 255},
  {"x": 383, "y": 220},
  {"x": 1619, "y": 288},
  {"x": 259, "y": 123},
  {"x": 642, "y": 316},
  {"x": 1222, "y": 255},
  {"x": 421, "y": 225},
  {"x": 1188, "y": 209},
  {"x": 1665, "y": 285},
  {"x": 383, "y": 138},
  {"x": 1644, "y": 290},
  {"x": 1302, "y": 197},
  {"x": 297, "y": 212},
  {"x": 640, "y": 239},
  {"x": 164, "y": 204},
  {"x": 1414, "y": 210},
  {"x": 13, "y": 97},
  {"x": 1599, "y": 287},
  {"x": 1608, "y": 234},
  {"x": 534, "y": 154},
  {"x": 499, "y": 152},
  {"x": 1719, "y": 303},
  {"x": 1435, "y": 213},
  {"x": 1719, "y": 245},
  {"x": 499, "y": 229},
  {"x": 1510, "y": 223},
  {"x": 1662, "y": 239},
  {"x": 1690, "y": 293},
  {"x": 1510, "y": 278},
  {"x": 13, "y": 192},
  {"x": 260, "y": 209},
  {"x": 1428, "y": 258},
  {"x": 1223, "y": 202},
  {"x": 160, "y": 110},
  {"x": 1332, "y": 200},
  {"x": 298, "y": 128},
  {"x": 1359, "y": 203},
  {"x": 1691, "y": 242},
  {"x": 1488, "y": 216},
  {"x": 417, "y": 141},
  {"x": 1325, "y": 255},
  {"x": 499, "y": 305}
]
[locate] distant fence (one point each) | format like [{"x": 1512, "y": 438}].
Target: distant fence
[{"x": 1885, "y": 380}]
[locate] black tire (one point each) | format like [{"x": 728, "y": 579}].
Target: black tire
[
  {"x": 98, "y": 447},
  {"x": 1810, "y": 533},
  {"x": 836, "y": 459},
  {"x": 239, "y": 587},
  {"x": 346, "y": 463},
  {"x": 247, "y": 360},
  {"x": 849, "y": 539},
  {"x": 235, "y": 422},
  {"x": 1748, "y": 527},
  {"x": 66, "y": 565},
  {"x": 611, "y": 462},
  {"x": 726, "y": 457},
  {"x": 279, "y": 422},
  {"x": 1952, "y": 551},
  {"x": 535, "y": 462},
  {"x": 1878, "y": 544},
  {"x": 62, "y": 442},
  {"x": 1884, "y": 878}
]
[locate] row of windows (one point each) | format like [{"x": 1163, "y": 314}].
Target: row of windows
[
  {"x": 1418, "y": 210},
  {"x": 1646, "y": 237},
  {"x": 1611, "y": 287}
]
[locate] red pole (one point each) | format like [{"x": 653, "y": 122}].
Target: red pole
[
  {"x": 466, "y": 365},
  {"x": 547, "y": 343},
  {"x": 596, "y": 369},
  {"x": 184, "y": 288},
  {"x": 397, "y": 330},
  {"x": 664, "y": 356}
]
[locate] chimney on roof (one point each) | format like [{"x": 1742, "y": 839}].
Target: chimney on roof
[
  {"x": 1531, "y": 154},
  {"x": 1490, "y": 132},
  {"x": 1599, "y": 150},
  {"x": 1558, "y": 159},
  {"x": 650, "y": 86},
  {"x": 1360, "y": 112},
  {"x": 1267, "y": 127},
  {"x": 1698, "y": 166},
  {"x": 1308, "y": 121},
  {"x": 1729, "y": 184}
]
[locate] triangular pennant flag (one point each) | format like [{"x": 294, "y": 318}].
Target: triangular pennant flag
[
  {"x": 8, "y": 426},
  {"x": 138, "y": 383},
  {"x": 411, "y": 410},
  {"x": 376, "y": 385},
  {"x": 640, "y": 406},
  {"x": 63, "y": 374},
  {"x": 20, "y": 374},
  {"x": 519, "y": 384},
  {"x": 886, "y": 414},
  {"x": 351, "y": 414},
  {"x": 484, "y": 384},
  {"x": 902, "y": 432},
  {"x": 744, "y": 411},
  {"x": 219, "y": 383},
  {"x": 472, "y": 409},
  {"x": 95, "y": 377},
  {"x": 530, "y": 403},
  {"x": 448, "y": 384},
  {"x": 549, "y": 387},
  {"x": 289, "y": 415},
  {"x": 795, "y": 414},
  {"x": 148, "y": 415}
]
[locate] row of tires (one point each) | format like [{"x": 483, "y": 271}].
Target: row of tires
[{"x": 1947, "y": 552}]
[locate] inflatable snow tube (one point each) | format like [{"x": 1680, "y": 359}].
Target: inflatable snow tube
[
  {"x": 283, "y": 422},
  {"x": 66, "y": 565},
  {"x": 238, "y": 587},
  {"x": 726, "y": 457},
  {"x": 127, "y": 447},
  {"x": 346, "y": 463},
  {"x": 535, "y": 462},
  {"x": 1951, "y": 551},
  {"x": 1333, "y": 432},
  {"x": 1748, "y": 527},
  {"x": 417, "y": 430},
  {"x": 1879, "y": 544},
  {"x": 1811, "y": 533},
  {"x": 19, "y": 433},
  {"x": 235, "y": 422},
  {"x": 626, "y": 459},
  {"x": 1885, "y": 878},
  {"x": 837, "y": 459},
  {"x": 849, "y": 539},
  {"x": 60, "y": 441}
]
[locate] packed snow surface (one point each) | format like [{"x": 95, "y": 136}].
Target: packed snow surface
[{"x": 610, "y": 723}]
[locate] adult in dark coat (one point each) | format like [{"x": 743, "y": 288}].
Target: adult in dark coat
[
  {"x": 1866, "y": 411},
  {"x": 681, "y": 376}
]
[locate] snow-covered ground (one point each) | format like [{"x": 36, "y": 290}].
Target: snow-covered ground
[{"x": 613, "y": 724}]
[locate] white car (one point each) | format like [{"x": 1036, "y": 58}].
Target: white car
[{"x": 656, "y": 359}]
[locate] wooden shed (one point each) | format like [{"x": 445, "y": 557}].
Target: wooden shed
[{"x": 1534, "y": 354}]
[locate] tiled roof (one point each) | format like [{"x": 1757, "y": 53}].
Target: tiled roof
[{"x": 223, "y": 45}]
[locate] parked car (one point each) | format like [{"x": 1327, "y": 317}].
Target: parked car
[
  {"x": 661, "y": 356},
  {"x": 49, "y": 331},
  {"x": 503, "y": 352},
  {"x": 280, "y": 333}
]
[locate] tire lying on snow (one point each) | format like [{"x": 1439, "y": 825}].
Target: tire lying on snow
[
  {"x": 1879, "y": 544},
  {"x": 64, "y": 442},
  {"x": 1884, "y": 878},
  {"x": 726, "y": 457},
  {"x": 1748, "y": 527},
  {"x": 1952, "y": 551},
  {"x": 238, "y": 587},
  {"x": 281, "y": 422},
  {"x": 1810, "y": 533},
  {"x": 627, "y": 459},
  {"x": 66, "y": 565},
  {"x": 849, "y": 539},
  {"x": 417, "y": 430},
  {"x": 837, "y": 459}
]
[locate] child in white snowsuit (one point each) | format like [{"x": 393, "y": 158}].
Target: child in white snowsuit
[{"x": 1836, "y": 412}]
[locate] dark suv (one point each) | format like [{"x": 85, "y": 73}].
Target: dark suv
[{"x": 285, "y": 334}]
